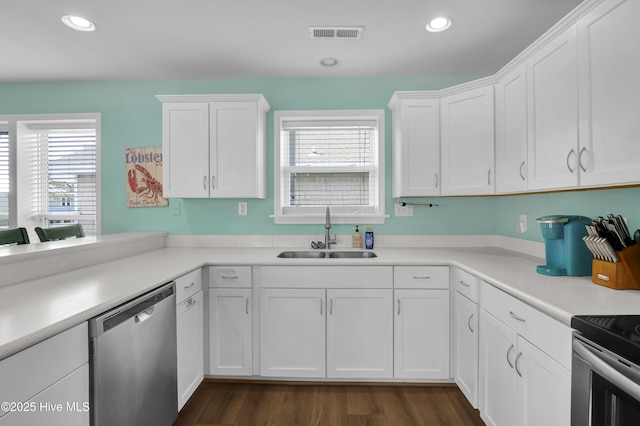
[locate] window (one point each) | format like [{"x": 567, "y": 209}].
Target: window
[
  {"x": 329, "y": 158},
  {"x": 56, "y": 179},
  {"x": 4, "y": 176}
]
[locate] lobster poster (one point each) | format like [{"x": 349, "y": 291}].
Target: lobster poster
[{"x": 144, "y": 177}]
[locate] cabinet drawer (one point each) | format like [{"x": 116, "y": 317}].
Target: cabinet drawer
[
  {"x": 465, "y": 283},
  {"x": 426, "y": 277},
  {"x": 188, "y": 285},
  {"x": 541, "y": 330},
  {"x": 36, "y": 368},
  {"x": 230, "y": 276},
  {"x": 327, "y": 276}
]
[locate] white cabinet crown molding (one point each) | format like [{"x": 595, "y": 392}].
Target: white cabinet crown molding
[{"x": 262, "y": 102}]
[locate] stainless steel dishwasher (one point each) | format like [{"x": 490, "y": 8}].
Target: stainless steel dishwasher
[{"x": 133, "y": 379}]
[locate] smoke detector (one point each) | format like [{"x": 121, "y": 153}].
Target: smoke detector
[{"x": 335, "y": 32}]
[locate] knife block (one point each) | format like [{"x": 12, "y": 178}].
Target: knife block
[{"x": 623, "y": 275}]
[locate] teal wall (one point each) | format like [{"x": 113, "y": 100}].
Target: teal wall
[{"x": 131, "y": 117}]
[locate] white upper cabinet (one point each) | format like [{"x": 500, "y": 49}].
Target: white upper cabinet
[
  {"x": 511, "y": 132},
  {"x": 609, "y": 66},
  {"x": 467, "y": 130},
  {"x": 553, "y": 114},
  {"x": 416, "y": 144},
  {"x": 214, "y": 146}
]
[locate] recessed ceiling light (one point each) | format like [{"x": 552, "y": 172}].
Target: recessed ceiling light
[
  {"x": 329, "y": 62},
  {"x": 438, "y": 24},
  {"x": 78, "y": 23}
]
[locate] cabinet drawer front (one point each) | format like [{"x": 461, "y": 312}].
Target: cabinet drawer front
[
  {"x": 188, "y": 285},
  {"x": 39, "y": 366},
  {"x": 426, "y": 277},
  {"x": 327, "y": 276},
  {"x": 230, "y": 276},
  {"x": 541, "y": 330},
  {"x": 465, "y": 283}
]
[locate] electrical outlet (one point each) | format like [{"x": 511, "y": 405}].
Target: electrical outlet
[
  {"x": 405, "y": 210},
  {"x": 242, "y": 208},
  {"x": 174, "y": 206}
]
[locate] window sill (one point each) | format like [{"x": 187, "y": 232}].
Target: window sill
[{"x": 335, "y": 219}]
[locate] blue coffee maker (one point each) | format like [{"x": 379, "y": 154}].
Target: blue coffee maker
[{"x": 565, "y": 251}]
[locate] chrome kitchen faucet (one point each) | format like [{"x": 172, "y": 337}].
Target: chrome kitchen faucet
[{"x": 327, "y": 226}]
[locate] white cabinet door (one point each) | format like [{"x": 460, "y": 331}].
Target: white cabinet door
[
  {"x": 235, "y": 148},
  {"x": 467, "y": 130},
  {"x": 292, "y": 333},
  {"x": 609, "y": 66},
  {"x": 230, "y": 326},
  {"x": 465, "y": 347},
  {"x": 185, "y": 149},
  {"x": 416, "y": 147},
  {"x": 552, "y": 98},
  {"x": 544, "y": 388},
  {"x": 421, "y": 337},
  {"x": 360, "y": 333},
  {"x": 190, "y": 356},
  {"x": 65, "y": 403},
  {"x": 498, "y": 381},
  {"x": 511, "y": 132}
]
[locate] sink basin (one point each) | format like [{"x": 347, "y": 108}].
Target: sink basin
[
  {"x": 302, "y": 255},
  {"x": 352, "y": 254}
]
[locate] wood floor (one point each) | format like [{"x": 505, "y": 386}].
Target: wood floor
[{"x": 258, "y": 403}]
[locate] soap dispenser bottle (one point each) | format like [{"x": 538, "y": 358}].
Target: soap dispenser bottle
[
  {"x": 356, "y": 239},
  {"x": 368, "y": 238}
]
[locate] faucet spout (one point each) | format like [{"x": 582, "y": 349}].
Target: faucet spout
[{"x": 327, "y": 226}]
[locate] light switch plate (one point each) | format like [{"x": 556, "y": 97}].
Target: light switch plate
[
  {"x": 403, "y": 210},
  {"x": 522, "y": 224},
  {"x": 174, "y": 206}
]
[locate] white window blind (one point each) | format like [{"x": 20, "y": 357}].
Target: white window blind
[
  {"x": 4, "y": 177},
  {"x": 329, "y": 160},
  {"x": 61, "y": 159}
]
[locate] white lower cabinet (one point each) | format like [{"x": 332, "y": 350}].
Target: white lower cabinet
[
  {"x": 49, "y": 380},
  {"x": 230, "y": 344},
  {"x": 230, "y": 321},
  {"x": 520, "y": 384},
  {"x": 292, "y": 333},
  {"x": 360, "y": 333},
  {"x": 466, "y": 346},
  {"x": 189, "y": 334}
]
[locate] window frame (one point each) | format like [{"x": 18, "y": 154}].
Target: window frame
[
  {"x": 284, "y": 214},
  {"x": 17, "y": 172}
]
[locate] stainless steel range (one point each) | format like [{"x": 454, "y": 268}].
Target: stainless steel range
[{"x": 605, "y": 387}]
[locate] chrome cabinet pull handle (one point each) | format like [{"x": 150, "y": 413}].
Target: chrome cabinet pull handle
[
  {"x": 522, "y": 174},
  {"x": 330, "y": 306},
  {"x": 321, "y": 306},
  {"x": 573, "y": 151},
  {"x": 465, "y": 284},
  {"x": 204, "y": 182},
  {"x": 508, "y": 359},
  {"x": 469, "y": 324},
  {"x": 436, "y": 175},
  {"x": 246, "y": 307},
  {"x": 229, "y": 277},
  {"x": 489, "y": 177},
  {"x": 516, "y": 364},
  {"x": 213, "y": 182},
  {"x": 582, "y": 151},
  {"x": 421, "y": 277},
  {"x": 516, "y": 317},
  {"x": 398, "y": 306},
  {"x": 189, "y": 286}
]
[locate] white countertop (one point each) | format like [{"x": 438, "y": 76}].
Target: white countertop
[{"x": 34, "y": 310}]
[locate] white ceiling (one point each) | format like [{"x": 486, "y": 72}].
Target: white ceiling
[{"x": 184, "y": 39}]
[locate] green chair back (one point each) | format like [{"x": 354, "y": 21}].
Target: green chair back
[
  {"x": 14, "y": 236},
  {"x": 60, "y": 232}
]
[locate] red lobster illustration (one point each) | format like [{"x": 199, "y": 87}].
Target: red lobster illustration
[{"x": 150, "y": 188}]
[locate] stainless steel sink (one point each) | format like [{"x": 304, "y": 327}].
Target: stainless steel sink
[
  {"x": 352, "y": 254},
  {"x": 302, "y": 255}
]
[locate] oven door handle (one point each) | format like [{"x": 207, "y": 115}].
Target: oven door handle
[{"x": 605, "y": 370}]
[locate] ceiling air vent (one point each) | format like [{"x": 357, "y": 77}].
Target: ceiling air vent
[{"x": 335, "y": 32}]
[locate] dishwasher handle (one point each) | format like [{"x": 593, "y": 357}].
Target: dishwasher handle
[{"x": 140, "y": 309}]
